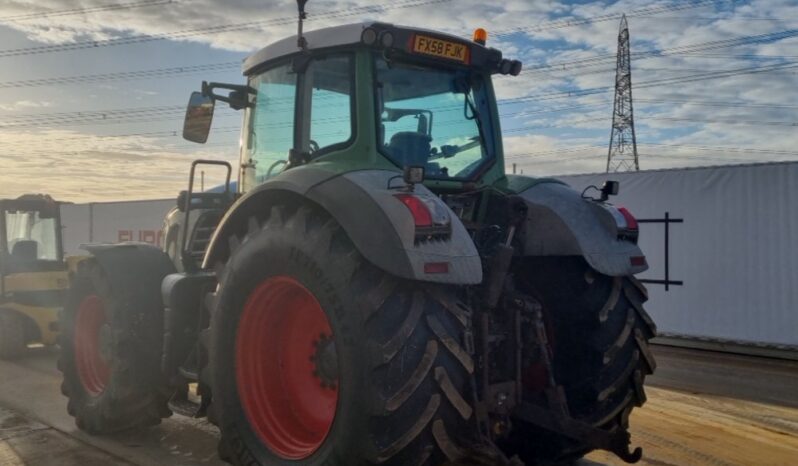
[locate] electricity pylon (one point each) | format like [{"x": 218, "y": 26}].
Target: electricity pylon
[{"x": 622, "y": 155}]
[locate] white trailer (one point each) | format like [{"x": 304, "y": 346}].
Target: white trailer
[
  {"x": 735, "y": 251},
  {"x": 113, "y": 222}
]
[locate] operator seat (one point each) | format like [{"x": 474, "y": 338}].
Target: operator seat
[
  {"x": 25, "y": 250},
  {"x": 411, "y": 148}
]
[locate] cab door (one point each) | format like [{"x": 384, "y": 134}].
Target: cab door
[{"x": 303, "y": 107}]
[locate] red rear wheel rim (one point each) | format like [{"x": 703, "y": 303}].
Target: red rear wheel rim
[
  {"x": 93, "y": 370},
  {"x": 281, "y": 395}
]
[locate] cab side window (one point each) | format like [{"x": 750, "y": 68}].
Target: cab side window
[
  {"x": 271, "y": 121},
  {"x": 329, "y": 84},
  {"x": 320, "y": 99}
]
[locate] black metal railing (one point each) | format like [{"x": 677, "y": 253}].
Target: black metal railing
[{"x": 667, "y": 220}]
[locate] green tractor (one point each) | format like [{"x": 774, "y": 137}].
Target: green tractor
[{"x": 375, "y": 290}]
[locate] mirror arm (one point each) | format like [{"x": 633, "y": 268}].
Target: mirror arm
[{"x": 238, "y": 97}]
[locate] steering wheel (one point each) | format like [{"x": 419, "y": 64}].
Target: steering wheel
[
  {"x": 469, "y": 168},
  {"x": 313, "y": 146},
  {"x": 275, "y": 165}
]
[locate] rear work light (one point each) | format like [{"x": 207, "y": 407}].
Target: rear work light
[{"x": 430, "y": 215}]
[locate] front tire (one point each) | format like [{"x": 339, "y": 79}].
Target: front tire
[
  {"x": 12, "y": 334},
  {"x": 110, "y": 356},
  {"x": 374, "y": 370}
]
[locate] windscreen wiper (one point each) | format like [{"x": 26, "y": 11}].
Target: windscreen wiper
[{"x": 450, "y": 150}]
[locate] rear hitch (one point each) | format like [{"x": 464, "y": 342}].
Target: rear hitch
[
  {"x": 557, "y": 418},
  {"x": 503, "y": 402},
  {"x": 616, "y": 441}
]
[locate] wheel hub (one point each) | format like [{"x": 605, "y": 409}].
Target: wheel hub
[
  {"x": 325, "y": 360},
  {"x": 104, "y": 338}
]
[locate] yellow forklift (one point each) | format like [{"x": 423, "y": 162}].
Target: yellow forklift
[{"x": 33, "y": 273}]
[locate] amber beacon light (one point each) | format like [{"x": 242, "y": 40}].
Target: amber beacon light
[{"x": 480, "y": 36}]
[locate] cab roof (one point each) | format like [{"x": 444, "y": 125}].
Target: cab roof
[
  {"x": 349, "y": 34},
  {"x": 318, "y": 39}
]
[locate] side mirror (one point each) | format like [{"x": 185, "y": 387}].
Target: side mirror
[{"x": 199, "y": 116}]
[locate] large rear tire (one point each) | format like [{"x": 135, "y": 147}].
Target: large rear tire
[
  {"x": 110, "y": 356},
  {"x": 600, "y": 334},
  {"x": 12, "y": 334},
  {"x": 319, "y": 358}
]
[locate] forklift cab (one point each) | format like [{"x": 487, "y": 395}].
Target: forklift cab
[{"x": 30, "y": 236}]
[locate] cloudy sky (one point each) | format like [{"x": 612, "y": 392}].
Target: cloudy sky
[{"x": 92, "y": 92}]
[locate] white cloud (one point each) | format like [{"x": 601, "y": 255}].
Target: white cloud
[
  {"x": 24, "y": 104},
  {"x": 73, "y": 166}
]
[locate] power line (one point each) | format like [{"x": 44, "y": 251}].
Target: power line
[
  {"x": 654, "y": 83},
  {"x": 741, "y": 56},
  {"x": 565, "y": 23},
  {"x": 123, "y": 76},
  {"x": 685, "y": 49},
  {"x": 147, "y": 134},
  {"x": 136, "y": 114},
  {"x": 705, "y": 103},
  {"x": 83, "y": 117},
  {"x": 645, "y": 119},
  {"x": 722, "y": 18},
  {"x": 219, "y": 67},
  {"x": 596, "y": 147},
  {"x": 87, "y": 10},
  {"x": 137, "y": 39},
  {"x": 110, "y": 114},
  {"x": 571, "y": 74},
  {"x": 99, "y": 117},
  {"x": 683, "y": 157},
  {"x": 724, "y": 149},
  {"x": 723, "y": 122},
  {"x": 699, "y": 157}
]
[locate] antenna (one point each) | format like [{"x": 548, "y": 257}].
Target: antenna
[
  {"x": 622, "y": 155},
  {"x": 301, "y": 42}
]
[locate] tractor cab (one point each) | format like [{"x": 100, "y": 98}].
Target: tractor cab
[
  {"x": 370, "y": 96},
  {"x": 367, "y": 96}
]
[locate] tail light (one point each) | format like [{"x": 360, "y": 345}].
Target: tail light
[
  {"x": 631, "y": 221},
  {"x": 628, "y": 228},
  {"x": 430, "y": 215}
]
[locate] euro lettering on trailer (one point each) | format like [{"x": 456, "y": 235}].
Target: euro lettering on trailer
[{"x": 153, "y": 237}]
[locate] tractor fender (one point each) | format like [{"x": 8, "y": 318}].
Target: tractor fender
[
  {"x": 127, "y": 263},
  {"x": 379, "y": 225},
  {"x": 562, "y": 223}
]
